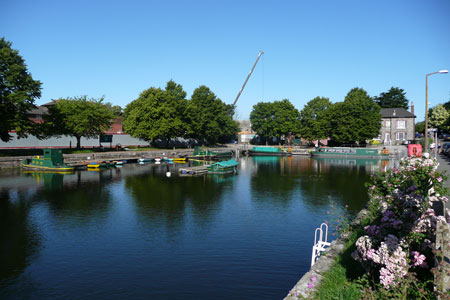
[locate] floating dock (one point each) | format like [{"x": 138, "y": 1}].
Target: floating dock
[{"x": 193, "y": 170}]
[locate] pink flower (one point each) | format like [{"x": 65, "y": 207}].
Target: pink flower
[
  {"x": 313, "y": 278},
  {"x": 419, "y": 259},
  {"x": 310, "y": 285},
  {"x": 439, "y": 179}
]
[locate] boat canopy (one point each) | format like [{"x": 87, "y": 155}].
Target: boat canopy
[{"x": 227, "y": 163}]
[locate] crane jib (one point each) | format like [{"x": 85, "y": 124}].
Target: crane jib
[{"x": 248, "y": 77}]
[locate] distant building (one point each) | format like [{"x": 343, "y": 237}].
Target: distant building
[
  {"x": 245, "y": 134},
  {"x": 397, "y": 126},
  {"x": 36, "y": 115}
]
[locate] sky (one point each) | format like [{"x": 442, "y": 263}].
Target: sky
[{"x": 117, "y": 49}]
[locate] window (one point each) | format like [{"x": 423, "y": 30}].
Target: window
[
  {"x": 388, "y": 124},
  {"x": 401, "y": 136},
  {"x": 401, "y": 125}
]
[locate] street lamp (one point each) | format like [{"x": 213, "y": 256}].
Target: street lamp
[{"x": 426, "y": 106}]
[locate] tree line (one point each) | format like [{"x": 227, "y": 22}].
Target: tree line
[
  {"x": 156, "y": 114},
  {"x": 356, "y": 119},
  {"x": 162, "y": 114}
]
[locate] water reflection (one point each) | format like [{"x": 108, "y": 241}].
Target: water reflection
[
  {"x": 271, "y": 179},
  {"x": 19, "y": 238},
  {"x": 119, "y": 230},
  {"x": 160, "y": 199},
  {"x": 315, "y": 180}
]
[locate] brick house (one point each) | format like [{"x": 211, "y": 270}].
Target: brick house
[{"x": 397, "y": 126}]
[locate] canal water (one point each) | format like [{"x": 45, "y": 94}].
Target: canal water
[{"x": 133, "y": 233}]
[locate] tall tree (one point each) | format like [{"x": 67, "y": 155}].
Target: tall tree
[
  {"x": 357, "y": 119},
  {"x": 78, "y": 117},
  {"x": 395, "y": 97},
  {"x": 275, "y": 119},
  {"x": 157, "y": 114},
  {"x": 286, "y": 119},
  {"x": 209, "y": 118},
  {"x": 18, "y": 91},
  {"x": 439, "y": 117},
  {"x": 314, "y": 124},
  {"x": 261, "y": 119}
]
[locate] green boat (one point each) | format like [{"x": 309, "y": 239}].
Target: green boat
[
  {"x": 207, "y": 154},
  {"x": 51, "y": 161},
  {"x": 223, "y": 167},
  {"x": 346, "y": 152},
  {"x": 269, "y": 151}
]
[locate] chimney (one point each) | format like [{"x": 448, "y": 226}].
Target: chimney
[{"x": 412, "y": 107}]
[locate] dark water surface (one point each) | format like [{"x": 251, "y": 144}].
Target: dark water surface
[{"x": 133, "y": 233}]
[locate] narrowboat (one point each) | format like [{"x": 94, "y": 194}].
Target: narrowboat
[
  {"x": 207, "y": 154},
  {"x": 347, "y": 152},
  {"x": 51, "y": 161},
  {"x": 270, "y": 151},
  {"x": 223, "y": 167}
]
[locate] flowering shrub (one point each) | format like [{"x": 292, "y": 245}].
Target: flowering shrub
[{"x": 397, "y": 247}]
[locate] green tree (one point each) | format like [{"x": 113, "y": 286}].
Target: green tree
[
  {"x": 78, "y": 117},
  {"x": 420, "y": 127},
  {"x": 18, "y": 91},
  {"x": 261, "y": 119},
  {"x": 314, "y": 125},
  {"x": 286, "y": 119},
  {"x": 395, "y": 97},
  {"x": 157, "y": 114},
  {"x": 209, "y": 118},
  {"x": 438, "y": 118},
  {"x": 275, "y": 119},
  {"x": 357, "y": 119}
]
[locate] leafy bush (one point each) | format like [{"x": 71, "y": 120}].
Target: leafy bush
[{"x": 397, "y": 248}]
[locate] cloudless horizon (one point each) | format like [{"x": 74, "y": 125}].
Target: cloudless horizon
[{"x": 118, "y": 49}]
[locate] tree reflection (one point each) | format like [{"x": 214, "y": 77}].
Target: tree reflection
[
  {"x": 19, "y": 239},
  {"x": 278, "y": 179},
  {"x": 165, "y": 200},
  {"x": 342, "y": 180},
  {"x": 273, "y": 180},
  {"x": 69, "y": 196}
]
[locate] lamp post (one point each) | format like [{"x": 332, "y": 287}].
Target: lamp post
[{"x": 426, "y": 106}]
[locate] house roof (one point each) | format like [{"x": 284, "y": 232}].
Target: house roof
[
  {"x": 39, "y": 110},
  {"x": 396, "y": 113}
]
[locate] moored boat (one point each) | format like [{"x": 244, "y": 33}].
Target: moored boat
[
  {"x": 208, "y": 154},
  {"x": 269, "y": 151},
  {"x": 51, "y": 161},
  {"x": 179, "y": 159},
  {"x": 145, "y": 159},
  {"x": 97, "y": 165},
  {"x": 347, "y": 152},
  {"x": 223, "y": 167}
]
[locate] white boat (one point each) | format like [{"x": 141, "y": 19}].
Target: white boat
[{"x": 145, "y": 160}]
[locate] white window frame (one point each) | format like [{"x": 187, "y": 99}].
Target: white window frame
[
  {"x": 401, "y": 124},
  {"x": 397, "y": 136},
  {"x": 388, "y": 123}
]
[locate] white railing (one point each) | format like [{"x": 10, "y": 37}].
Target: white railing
[{"x": 320, "y": 242}]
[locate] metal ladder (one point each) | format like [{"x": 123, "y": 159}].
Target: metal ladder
[{"x": 320, "y": 242}]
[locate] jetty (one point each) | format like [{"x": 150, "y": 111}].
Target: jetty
[{"x": 196, "y": 170}]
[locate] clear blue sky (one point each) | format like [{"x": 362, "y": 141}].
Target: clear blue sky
[{"x": 312, "y": 48}]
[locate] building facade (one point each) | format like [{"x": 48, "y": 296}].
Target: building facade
[{"x": 397, "y": 126}]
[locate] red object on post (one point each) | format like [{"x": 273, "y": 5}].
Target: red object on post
[{"x": 415, "y": 150}]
